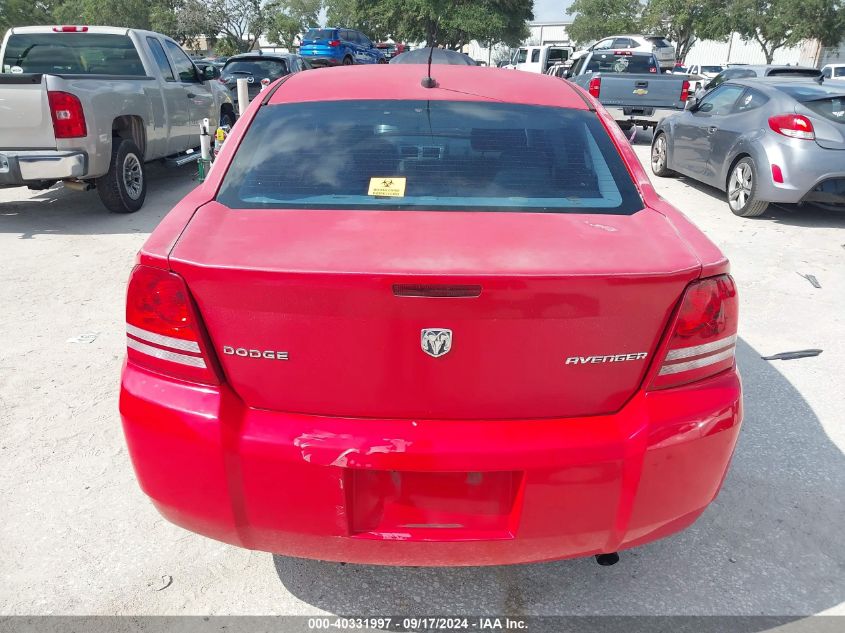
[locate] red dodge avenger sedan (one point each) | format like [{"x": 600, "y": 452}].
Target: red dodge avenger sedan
[{"x": 447, "y": 325}]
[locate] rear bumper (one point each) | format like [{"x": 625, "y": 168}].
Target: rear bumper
[
  {"x": 640, "y": 116},
  {"x": 324, "y": 60},
  {"x": 429, "y": 492},
  {"x": 810, "y": 173},
  {"x": 22, "y": 167}
]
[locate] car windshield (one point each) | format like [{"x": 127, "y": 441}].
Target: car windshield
[
  {"x": 72, "y": 54},
  {"x": 611, "y": 63},
  {"x": 712, "y": 69},
  {"x": 824, "y": 101},
  {"x": 432, "y": 155},
  {"x": 318, "y": 34},
  {"x": 259, "y": 68}
]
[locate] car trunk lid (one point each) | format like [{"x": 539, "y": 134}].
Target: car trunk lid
[{"x": 318, "y": 311}]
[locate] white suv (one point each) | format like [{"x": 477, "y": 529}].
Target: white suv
[{"x": 660, "y": 46}]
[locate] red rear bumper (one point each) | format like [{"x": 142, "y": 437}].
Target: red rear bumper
[{"x": 429, "y": 492}]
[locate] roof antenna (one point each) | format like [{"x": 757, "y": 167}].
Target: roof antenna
[{"x": 428, "y": 81}]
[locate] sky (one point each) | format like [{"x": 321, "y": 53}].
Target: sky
[{"x": 551, "y": 10}]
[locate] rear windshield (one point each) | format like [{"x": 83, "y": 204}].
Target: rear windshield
[
  {"x": 801, "y": 72},
  {"x": 72, "y": 54},
  {"x": 712, "y": 69},
  {"x": 610, "y": 63},
  {"x": 825, "y": 101},
  {"x": 431, "y": 155},
  {"x": 319, "y": 34},
  {"x": 258, "y": 68},
  {"x": 659, "y": 42}
]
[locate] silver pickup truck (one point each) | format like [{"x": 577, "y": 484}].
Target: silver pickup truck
[
  {"x": 630, "y": 86},
  {"x": 89, "y": 106}
]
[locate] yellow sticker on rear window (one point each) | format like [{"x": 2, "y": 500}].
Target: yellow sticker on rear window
[{"x": 387, "y": 187}]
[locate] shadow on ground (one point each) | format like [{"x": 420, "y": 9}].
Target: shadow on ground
[
  {"x": 60, "y": 211},
  {"x": 769, "y": 545}
]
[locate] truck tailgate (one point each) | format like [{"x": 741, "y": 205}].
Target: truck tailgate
[
  {"x": 641, "y": 91},
  {"x": 25, "y": 121}
]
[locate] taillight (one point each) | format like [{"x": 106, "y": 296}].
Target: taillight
[
  {"x": 703, "y": 338},
  {"x": 685, "y": 90},
  {"x": 67, "y": 114},
  {"x": 334, "y": 43},
  {"x": 70, "y": 29},
  {"x": 793, "y": 126},
  {"x": 163, "y": 330},
  {"x": 595, "y": 86}
]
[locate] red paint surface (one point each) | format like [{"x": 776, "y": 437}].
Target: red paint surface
[{"x": 361, "y": 447}]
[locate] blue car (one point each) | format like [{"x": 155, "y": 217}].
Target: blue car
[{"x": 339, "y": 47}]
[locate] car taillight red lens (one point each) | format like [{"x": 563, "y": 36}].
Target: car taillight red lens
[
  {"x": 685, "y": 90},
  {"x": 163, "y": 330},
  {"x": 67, "y": 114},
  {"x": 793, "y": 126},
  {"x": 702, "y": 342},
  {"x": 70, "y": 29},
  {"x": 595, "y": 86},
  {"x": 334, "y": 43}
]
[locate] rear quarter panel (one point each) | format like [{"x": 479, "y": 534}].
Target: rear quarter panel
[{"x": 104, "y": 100}]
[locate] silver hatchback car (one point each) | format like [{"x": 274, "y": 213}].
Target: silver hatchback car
[{"x": 760, "y": 140}]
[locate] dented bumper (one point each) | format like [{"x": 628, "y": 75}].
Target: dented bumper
[{"x": 429, "y": 492}]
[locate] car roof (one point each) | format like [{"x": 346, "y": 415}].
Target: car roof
[
  {"x": 625, "y": 51},
  {"x": 454, "y": 83},
  {"x": 775, "y": 83},
  {"x": 261, "y": 55},
  {"x": 764, "y": 67}
]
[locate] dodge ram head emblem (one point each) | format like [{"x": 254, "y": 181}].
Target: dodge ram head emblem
[{"x": 436, "y": 341}]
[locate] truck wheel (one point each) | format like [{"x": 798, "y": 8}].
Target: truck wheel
[
  {"x": 124, "y": 187},
  {"x": 659, "y": 156},
  {"x": 742, "y": 190}
]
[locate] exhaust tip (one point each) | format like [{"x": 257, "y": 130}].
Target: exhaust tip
[{"x": 606, "y": 560}]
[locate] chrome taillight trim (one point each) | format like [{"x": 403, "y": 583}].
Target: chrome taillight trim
[
  {"x": 698, "y": 362},
  {"x": 161, "y": 339},
  {"x": 163, "y": 354},
  {"x": 696, "y": 350}
]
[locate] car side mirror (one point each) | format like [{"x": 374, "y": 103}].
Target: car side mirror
[
  {"x": 567, "y": 73},
  {"x": 692, "y": 104},
  {"x": 210, "y": 72}
]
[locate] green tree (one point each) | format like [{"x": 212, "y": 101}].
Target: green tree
[
  {"x": 25, "y": 12},
  {"x": 128, "y": 13},
  {"x": 286, "y": 19},
  {"x": 775, "y": 24},
  {"x": 596, "y": 19},
  {"x": 686, "y": 21},
  {"x": 449, "y": 23}
]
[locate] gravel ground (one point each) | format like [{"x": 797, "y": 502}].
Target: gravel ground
[{"x": 79, "y": 537}]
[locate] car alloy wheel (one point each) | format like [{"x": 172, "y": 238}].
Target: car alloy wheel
[
  {"x": 133, "y": 177},
  {"x": 658, "y": 154},
  {"x": 740, "y": 186}
]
